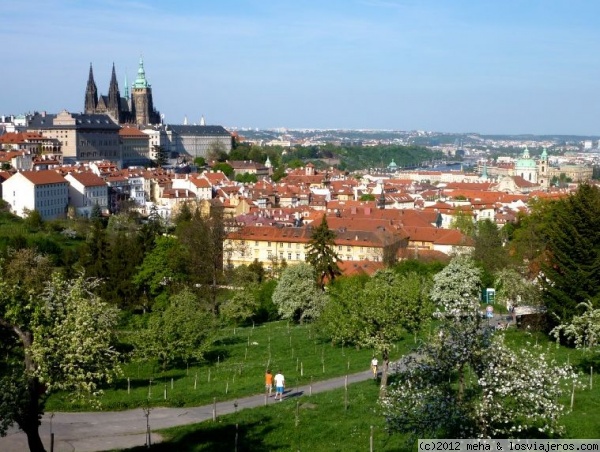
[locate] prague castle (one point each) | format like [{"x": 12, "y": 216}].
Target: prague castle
[{"x": 135, "y": 107}]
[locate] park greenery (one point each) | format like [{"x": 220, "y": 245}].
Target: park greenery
[{"x": 128, "y": 311}]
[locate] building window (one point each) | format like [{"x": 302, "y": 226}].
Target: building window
[{"x": 289, "y": 256}]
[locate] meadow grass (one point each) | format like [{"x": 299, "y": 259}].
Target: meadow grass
[
  {"x": 235, "y": 368},
  {"x": 319, "y": 422}
]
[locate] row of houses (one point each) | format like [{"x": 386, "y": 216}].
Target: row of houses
[{"x": 371, "y": 217}]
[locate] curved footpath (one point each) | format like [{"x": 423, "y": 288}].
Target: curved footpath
[{"x": 100, "y": 431}]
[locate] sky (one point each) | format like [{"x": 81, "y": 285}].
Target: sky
[{"x": 457, "y": 66}]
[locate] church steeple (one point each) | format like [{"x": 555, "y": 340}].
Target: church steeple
[
  {"x": 114, "y": 97},
  {"x": 140, "y": 81},
  {"x": 126, "y": 92},
  {"x": 91, "y": 94}
]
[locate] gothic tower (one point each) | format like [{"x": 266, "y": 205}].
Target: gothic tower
[
  {"x": 91, "y": 94},
  {"x": 141, "y": 99},
  {"x": 114, "y": 98}
]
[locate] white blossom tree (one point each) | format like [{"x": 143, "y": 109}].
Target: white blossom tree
[
  {"x": 465, "y": 382},
  {"x": 55, "y": 336},
  {"x": 297, "y": 295},
  {"x": 583, "y": 330}
]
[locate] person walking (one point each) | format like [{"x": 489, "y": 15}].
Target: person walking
[
  {"x": 269, "y": 382},
  {"x": 374, "y": 363},
  {"x": 279, "y": 385}
]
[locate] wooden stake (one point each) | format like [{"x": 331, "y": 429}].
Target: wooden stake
[
  {"x": 573, "y": 396},
  {"x": 128, "y": 386},
  {"x": 371, "y": 440},
  {"x": 196, "y": 380},
  {"x": 171, "y": 382},
  {"x": 214, "y": 413},
  {"x": 301, "y": 369}
]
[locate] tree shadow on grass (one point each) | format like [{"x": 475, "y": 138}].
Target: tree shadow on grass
[{"x": 210, "y": 437}]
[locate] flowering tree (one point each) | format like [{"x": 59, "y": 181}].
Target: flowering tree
[
  {"x": 583, "y": 330},
  {"x": 513, "y": 289},
  {"x": 55, "y": 336},
  {"x": 465, "y": 382},
  {"x": 297, "y": 295}
]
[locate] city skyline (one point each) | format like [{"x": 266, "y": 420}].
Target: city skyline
[{"x": 489, "y": 67}]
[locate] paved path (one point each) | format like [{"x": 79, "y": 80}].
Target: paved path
[{"x": 99, "y": 431}]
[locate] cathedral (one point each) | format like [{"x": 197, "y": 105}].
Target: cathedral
[{"x": 133, "y": 108}]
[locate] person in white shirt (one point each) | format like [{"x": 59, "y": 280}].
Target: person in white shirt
[
  {"x": 374, "y": 364},
  {"x": 279, "y": 385}
]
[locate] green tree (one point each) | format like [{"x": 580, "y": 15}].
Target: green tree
[
  {"x": 246, "y": 178},
  {"x": 463, "y": 222},
  {"x": 202, "y": 241},
  {"x": 376, "y": 312},
  {"x": 489, "y": 250},
  {"x": 33, "y": 220},
  {"x": 571, "y": 265},
  {"x": 59, "y": 336},
  {"x": 162, "y": 269},
  {"x": 225, "y": 168},
  {"x": 367, "y": 197},
  {"x": 182, "y": 332},
  {"x": 161, "y": 155},
  {"x": 296, "y": 296},
  {"x": 200, "y": 162},
  {"x": 320, "y": 253}
]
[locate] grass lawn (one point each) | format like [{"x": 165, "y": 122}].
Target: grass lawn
[
  {"x": 308, "y": 423},
  {"x": 235, "y": 368},
  {"x": 321, "y": 423}
]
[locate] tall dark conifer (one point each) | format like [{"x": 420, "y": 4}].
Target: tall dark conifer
[
  {"x": 571, "y": 270},
  {"x": 321, "y": 253}
]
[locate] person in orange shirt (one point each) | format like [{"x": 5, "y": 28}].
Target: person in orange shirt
[{"x": 269, "y": 382}]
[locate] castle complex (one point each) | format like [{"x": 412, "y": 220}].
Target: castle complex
[{"x": 135, "y": 107}]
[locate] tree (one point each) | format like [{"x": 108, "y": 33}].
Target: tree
[
  {"x": 183, "y": 331},
  {"x": 202, "y": 241},
  {"x": 200, "y": 162},
  {"x": 58, "y": 335},
  {"x": 583, "y": 330},
  {"x": 321, "y": 255},
  {"x": 489, "y": 251},
  {"x": 296, "y": 296},
  {"x": 376, "y": 312},
  {"x": 161, "y": 156},
  {"x": 216, "y": 152},
  {"x": 513, "y": 289},
  {"x": 367, "y": 197},
  {"x": 511, "y": 393},
  {"x": 162, "y": 269},
  {"x": 570, "y": 270},
  {"x": 225, "y": 168},
  {"x": 241, "y": 306},
  {"x": 246, "y": 178},
  {"x": 463, "y": 221}
]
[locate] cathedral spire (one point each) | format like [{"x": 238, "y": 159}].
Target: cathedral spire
[
  {"x": 126, "y": 92},
  {"x": 114, "y": 96},
  {"x": 91, "y": 94}
]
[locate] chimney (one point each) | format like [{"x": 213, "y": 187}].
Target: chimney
[{"x": 177, "y": 193}]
